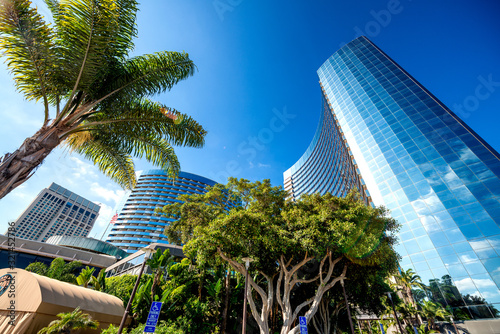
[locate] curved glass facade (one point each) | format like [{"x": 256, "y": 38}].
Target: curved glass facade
[
  {"x": 327, "y": 164},
  {"x": 87, "y": 244},
  {"x": 440, "y": 180},
  {"x": 137, "y": 226}
]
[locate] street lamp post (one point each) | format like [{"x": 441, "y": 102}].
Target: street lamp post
[
  {"x": 453, "y": 323},
  {"x": 394, "y": 310},
  {"x": 347, "y": 306},
  {"x": 247, "y": 265},
  {"x": 147, "y": 251}
]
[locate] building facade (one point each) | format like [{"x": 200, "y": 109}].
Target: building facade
[
  {"x": 327, "y": 165},
  {"x": 26, "y": 252},
  {"x": 137, "y": 224},
  {"x": 57, "y": 211},
  {"x": 440, "y": 180}
]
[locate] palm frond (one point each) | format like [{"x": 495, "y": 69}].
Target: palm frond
[
  {"x": 26, "y": 42},
  {"x": 109, "y": 157},
  {"x": 91, "y": 32},
  {"x": 144, "y": 76},
  {"x": 157, "y": 151},
  {"x": 142, "y": 116}
]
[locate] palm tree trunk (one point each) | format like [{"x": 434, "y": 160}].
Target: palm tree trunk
[{"x": 18, "y": 167}]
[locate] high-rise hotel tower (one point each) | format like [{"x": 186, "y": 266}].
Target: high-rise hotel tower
[
  {"x": 137, "y": 225},
  {"x": 57, "y": 211},
  {"x": 440, "y": 180}
]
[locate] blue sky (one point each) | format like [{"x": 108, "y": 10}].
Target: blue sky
[{"x": 256, "y": 90}]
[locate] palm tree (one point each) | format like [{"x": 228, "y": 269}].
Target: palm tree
[
  {"x": 70, "y": 321},
  {"x": 407, "y": 280},
  {"x": 85, "y": 276},
  {"x": 99, "y": 283},
  {"x": 95, "y": 99},
  {"x": 431, "y": 311},
  {"x": 158, "y": 263}
]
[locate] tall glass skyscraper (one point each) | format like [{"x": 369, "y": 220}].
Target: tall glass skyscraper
[
  {"x": 137, "y": 225},
  {"x": 440, "y": 180},
  {"x": 327, "y": 164}
]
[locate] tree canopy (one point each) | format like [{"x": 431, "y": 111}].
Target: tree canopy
[
  {"x": 94, "y": 99},
  {"x": 312, "y": 241}
]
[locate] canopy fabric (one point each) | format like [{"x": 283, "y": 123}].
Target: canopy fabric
[{"x": 38, "y": 299}]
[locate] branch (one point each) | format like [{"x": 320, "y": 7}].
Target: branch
[
  {"x": 242, "y": 270},
  {"x": 253, "y": 308},
  {"x": 321, "y": 267},
  {"x": 298, "y": 308},
  {"x": 296, "y": 280},
  {"x": 300, "y": 264},
  {"x": 278, "y": 289}
]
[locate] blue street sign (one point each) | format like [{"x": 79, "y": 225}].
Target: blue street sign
[
  {"x": 303, "y": 325},
  {"x": 154, "y": 314},
  {"x": 382, "y": 328}
]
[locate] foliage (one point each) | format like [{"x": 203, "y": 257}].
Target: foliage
[
  {"x": 422, "y": 329},
  {"x": 190, "y": 309},
  {"x": 85, "y": 276},
  {"x": 406, "y": 281},
  {"x": 121, "y": 286},
  {"x": 431, "y": 311},
  {"x": 70, "y": 321},
  {"x": 99, "y": 283},
  {"x": 58, "y": 269},
  {"x": 159, "y": 263},
  {"x": 312, "y": 241},
  {"x": 94, "y": 98},
  {"x": 39, "y": 268},
  {"x": 161, "y": 328},
  {"x": 364, "y": 288}
]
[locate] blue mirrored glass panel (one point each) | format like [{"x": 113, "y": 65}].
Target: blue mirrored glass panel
[{"x": 416, "y": 157}]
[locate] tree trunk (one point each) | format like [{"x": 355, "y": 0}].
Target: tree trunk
[
  {"x": 288, "y": 279},
  {"x": 18, "y": 167},
  {"x": 266, "y": 297}
]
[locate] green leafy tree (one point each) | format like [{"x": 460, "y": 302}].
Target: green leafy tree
[
  {"x": 85, "y": 276},
  {"x": 99, "y": 283},
  {"x": 192, "y": 310},
  {"x": 159, "y": 263},
  {"x": 311, "y": 241},
  {"x": 58, "y": 269},
  {"x": 121, "y": 286},
  {"x": 161, "y": 328},
  {"x": 39, "y": 268},
  {"x": 94, "y": 98},
  {"x": 365, "y": 290},
  {"x": 69, "y": 322}
]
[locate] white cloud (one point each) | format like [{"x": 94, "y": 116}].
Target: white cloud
[
  {"x": 261, "y": 165},
  {"x": 106, "y": 193},
  {"x": 105, "y": 215},
  {"x": 82, "y": 169},
  {"x": 466, "y": 285}
]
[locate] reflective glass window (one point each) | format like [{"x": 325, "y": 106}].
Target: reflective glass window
[
  {"x": 412, "y": 246},
  {"x": 474, "y": 268},
  {"x": 462, "y": 247},
  {"x": 457, "y": 270},
  {"x": 489, "y": 227},
  {"x": 471, "y": 231},
  {"x": 454, "y": 235}
]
